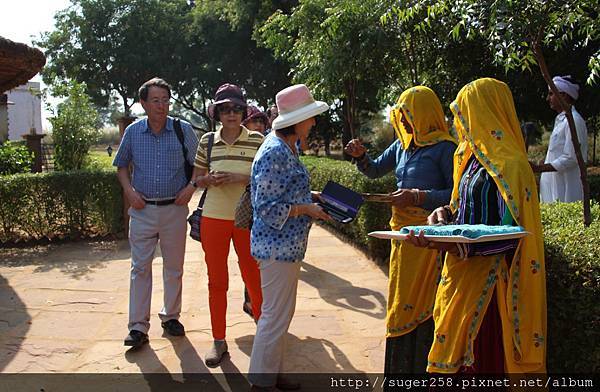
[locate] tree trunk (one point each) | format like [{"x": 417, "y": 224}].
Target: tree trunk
[
  {"x": 587, "y": 217},
  {"x": 347, "y": 132},
  {"x": 126, "y": 107},
  {"x": 595, "y": 135}
]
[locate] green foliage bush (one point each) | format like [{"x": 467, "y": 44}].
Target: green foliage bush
[
  {"x": 59, "y": 205},
  {"x": 594, "y": 182},
  {"x": 74, "y": 126},
  {"x": 573, "y": 287},
  {"x": 15, "y": 158},
  {"x": 572, "y": 262}
]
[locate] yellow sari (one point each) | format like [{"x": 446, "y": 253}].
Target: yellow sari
[
  {"x": 488, "y": 129},
  {"x": 414, "y": 272}
]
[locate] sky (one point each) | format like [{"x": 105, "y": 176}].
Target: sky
[{"x": 22, "y": 19}]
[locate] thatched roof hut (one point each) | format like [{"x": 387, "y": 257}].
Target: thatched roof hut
[{"x": 18, "y": 63}]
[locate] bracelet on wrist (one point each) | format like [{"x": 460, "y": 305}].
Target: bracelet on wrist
[
  {"x": 416, "y": 197},
  {"x": 359, "y": 160}
]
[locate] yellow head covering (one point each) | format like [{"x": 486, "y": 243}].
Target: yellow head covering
[
  {"x": 423, "y": 111},
  {"x": 486, "y": 122},
  {"x": 487, "y": 125}
]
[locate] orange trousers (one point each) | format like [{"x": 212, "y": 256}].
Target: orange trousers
[{"x": 216, "y": 235}]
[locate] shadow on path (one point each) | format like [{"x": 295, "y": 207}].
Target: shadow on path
[
  {"x": 14, "y": 319},
  {"x": 342, "y": 293},
  {"x": 194, "y": 376},
  {"x": 308, "y": 355},
  {"x": 75, "y": 259}
]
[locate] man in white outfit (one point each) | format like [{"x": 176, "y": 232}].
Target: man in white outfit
[{"x": 561, "y": 180}]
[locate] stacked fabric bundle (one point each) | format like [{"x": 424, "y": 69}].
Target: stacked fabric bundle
[{"x": 468, "y": 231}]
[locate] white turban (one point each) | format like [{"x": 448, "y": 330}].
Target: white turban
[{"x": 565, "y": 84}]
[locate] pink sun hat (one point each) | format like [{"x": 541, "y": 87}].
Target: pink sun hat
[{"x": 296, "y": 104}]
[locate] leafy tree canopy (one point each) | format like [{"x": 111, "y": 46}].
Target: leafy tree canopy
[
  {"x": 339, "y": 49},
  {"x": 114, "y": 45}
]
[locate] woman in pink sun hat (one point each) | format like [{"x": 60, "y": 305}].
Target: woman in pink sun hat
[{"x": 283, "y": 212}]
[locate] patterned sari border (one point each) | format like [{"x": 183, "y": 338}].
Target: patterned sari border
[{"x": 467, "y": 359}]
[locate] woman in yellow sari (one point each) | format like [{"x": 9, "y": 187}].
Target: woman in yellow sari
[
  {"x": 490, "y": 307},
  {"x": 421, "y": 159}
]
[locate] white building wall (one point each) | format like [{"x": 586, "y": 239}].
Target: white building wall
[{"x": 26, "y": 111}]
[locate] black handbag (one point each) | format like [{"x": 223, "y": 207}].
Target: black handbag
[{"x": 196, "y": 217}]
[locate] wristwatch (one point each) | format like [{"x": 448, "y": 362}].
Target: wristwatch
[{"x": 193, "y": 183}]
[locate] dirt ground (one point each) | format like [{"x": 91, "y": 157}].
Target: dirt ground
[{"x": 64, "y": 311}]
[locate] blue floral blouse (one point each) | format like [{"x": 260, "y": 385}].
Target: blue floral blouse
[{"x": 279, "y": 180}]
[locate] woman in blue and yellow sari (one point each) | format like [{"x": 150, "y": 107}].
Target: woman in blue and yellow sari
[
  {"x": 421, "y": 159},
  {"x": 490, "y": 307}
]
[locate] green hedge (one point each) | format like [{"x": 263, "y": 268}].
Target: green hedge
[
  {"x": 572, "y": 262},
  {"x": 372, "y": 216},
  {"x": 594, "y": 182},
  {"x": 15, "y": 157},
  {"x": 573, "y": 288},
  {"x": 59, "y": 205}
]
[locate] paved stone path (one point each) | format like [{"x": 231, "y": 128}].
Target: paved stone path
[{"x": 63, "y": 309}]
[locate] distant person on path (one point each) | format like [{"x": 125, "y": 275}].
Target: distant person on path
[
  {"x": 561, "y": 180},
  {"x": 158, "y": 193},
  {"x": 226, "y": 177},
  {"x": 256, "y": 120},
  {"x": 490, "y": 308},
  {"x": 283, "y": 212},
  {"x": 421, "y": 159}
]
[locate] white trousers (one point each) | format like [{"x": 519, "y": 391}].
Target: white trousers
[
  {"x": 166, "y": 225},
  {"x": 279, "y": 282}
]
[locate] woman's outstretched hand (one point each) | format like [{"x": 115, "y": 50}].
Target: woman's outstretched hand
[
  {"x": 312, "y": 209},
  {"x": 355, "y": 148},
  {"x": 316, "y": 211},
  {"x": 403, "y": 198}
]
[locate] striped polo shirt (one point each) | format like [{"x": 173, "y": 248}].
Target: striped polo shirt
[{"x": 237, "y": 157}]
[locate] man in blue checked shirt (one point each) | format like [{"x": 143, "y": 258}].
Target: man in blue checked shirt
[{"x": 158, "y": 193}]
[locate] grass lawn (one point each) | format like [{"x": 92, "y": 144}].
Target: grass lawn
[{"x": 100, "y": 159}]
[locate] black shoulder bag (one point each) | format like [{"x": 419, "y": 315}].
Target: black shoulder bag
[
  {"x": 179, "y": 132},
  {"x": 196, "y": 217}
]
